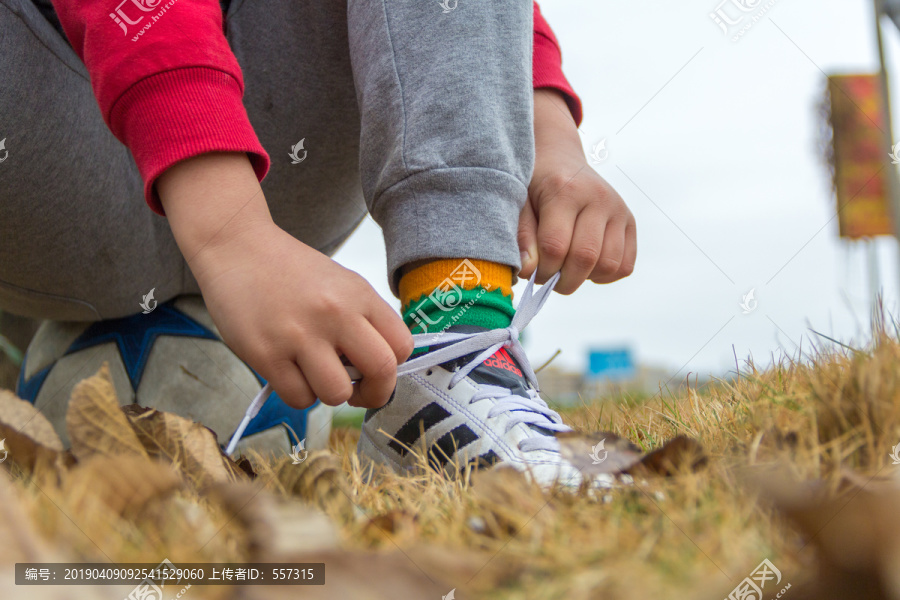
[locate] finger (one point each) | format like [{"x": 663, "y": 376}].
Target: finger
[
  {"x": 607, "y": 269},
  {"x": 392, "y": 329},
  {"x": 554, "y": 236},
  {"x": 325, "y": 373},
  {"x": 291, "y": 386},
  {"x": 375, "y": 359},
  {"x": 527, "y": 237},
  {"x": 586, "y": 249},
  {"x": 630, "y": 257}
]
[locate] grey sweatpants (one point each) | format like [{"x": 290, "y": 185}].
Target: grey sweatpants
[{"x": 420, "y": 116}]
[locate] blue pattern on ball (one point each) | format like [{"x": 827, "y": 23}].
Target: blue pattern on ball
[{"x": 135, "y": 335}]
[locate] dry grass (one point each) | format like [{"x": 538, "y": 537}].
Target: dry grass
[{"x": 694, "y": 535}]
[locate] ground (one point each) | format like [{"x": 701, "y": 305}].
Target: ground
[{"x": 796, "y": 469}]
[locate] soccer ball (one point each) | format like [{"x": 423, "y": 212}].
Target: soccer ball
[{"x": 171, "y": 359}]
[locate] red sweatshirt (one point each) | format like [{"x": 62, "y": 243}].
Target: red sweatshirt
[{"x": 178, "y": 94}]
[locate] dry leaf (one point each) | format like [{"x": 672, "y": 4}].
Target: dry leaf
[
  {"x": 398, "y": 525},
  {"x": 21, "y": 543},
  {"x": 299, "y": 529},
  {"x": 29, "y": 437},
  {"x": 679, "y": 453},
  {"x": 855, "y": 533},
  {"x": 27, "y": 420},
  {"x": 320, "y": 480},
  {"x": 510, "y": 501},
  {"x": 95, "y": 422},
  {"x": 607, "y": 453},
  {"x": 267, "y": 528},
  {"x": 244, "y": 464},
  {"x": 614, "y": 454},
  {"x": 189, "y": 446},
  {"x": 122, "y": 484}
]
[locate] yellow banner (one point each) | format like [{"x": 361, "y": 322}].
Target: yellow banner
[{"x": 860, "y": 157}]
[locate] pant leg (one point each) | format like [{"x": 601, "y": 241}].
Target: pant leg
[
  {"x": 77, "y": 241},
  {"x": 447, "y": 141},
  {"x": 295, "y": 59}
]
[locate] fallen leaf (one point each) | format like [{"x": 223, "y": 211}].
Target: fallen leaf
[
  {"x": 320, "y": 480},
  {"x": 189, "y": 446},
  {"x": 607, "y": 453},
  {"x": 398, "y": 526},
  {"x": 122, "y": 484},
  {"x": 95, "y": 422},
  {"x": 267, "y": 528},
  {"x": 614, "y": 454},
  {"x": 510, "y": 501},
  {"x": 21, "y": 542},
  {"x": 679, "y": 453},
  {"x": 854, "y": 531},
  {"x": 244, "y": 464},
  {"x": 29, "y": 437},
  {"x": 22, "y": 415}
]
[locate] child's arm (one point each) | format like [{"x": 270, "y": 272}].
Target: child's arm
[
  {"x": 288, "y": 310},
  {"x": 170, "y": 89},
  {"x": 573, "y": 219}
]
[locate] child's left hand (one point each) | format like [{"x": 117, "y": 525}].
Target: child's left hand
[{"x": 574, "y": 221}]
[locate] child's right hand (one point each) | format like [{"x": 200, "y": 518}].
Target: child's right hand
[{"x": 288, "y": 310}]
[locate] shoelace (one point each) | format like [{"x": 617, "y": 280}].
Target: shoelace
[{"x": 531, "y": 410}]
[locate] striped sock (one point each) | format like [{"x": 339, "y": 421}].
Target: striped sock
[{"x": 453, "y": 291}]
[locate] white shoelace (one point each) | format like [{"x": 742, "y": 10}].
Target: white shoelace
[{"x": 531, "y": 410}]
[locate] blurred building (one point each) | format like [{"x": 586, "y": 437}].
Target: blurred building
[{"x": 565, "y": 387}]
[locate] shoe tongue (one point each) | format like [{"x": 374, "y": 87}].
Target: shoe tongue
[{"x": 499, "y": 369}]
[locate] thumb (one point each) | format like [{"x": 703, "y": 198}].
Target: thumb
[{"x": 527, "y": 237}]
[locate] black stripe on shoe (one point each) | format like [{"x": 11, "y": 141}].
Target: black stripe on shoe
[
  {"x": 429, "y": 416},
  {"x": 488, "y": 459},
  {"x": 450, "y": 442}
]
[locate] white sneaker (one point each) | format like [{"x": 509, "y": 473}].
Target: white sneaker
[{"x": 472, "y": 398}]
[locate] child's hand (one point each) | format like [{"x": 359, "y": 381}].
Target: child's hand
[
  {"x": 288, "y": 310},
  {"x": 573, "y": 220}
]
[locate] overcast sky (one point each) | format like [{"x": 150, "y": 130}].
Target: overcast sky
[{"x": 713, "y": 145}]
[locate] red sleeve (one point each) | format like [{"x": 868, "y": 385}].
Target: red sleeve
[
  {"x": 166, "y": 81},
  {"x": 548, "y": 64}
]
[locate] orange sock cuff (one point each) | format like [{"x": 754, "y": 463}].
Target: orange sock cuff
[{"x": 448, "y": 272}]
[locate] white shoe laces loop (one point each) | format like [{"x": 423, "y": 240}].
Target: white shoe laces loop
[
  {"x": 532, "y": 410},
  {"x": 461, "y": 344}
]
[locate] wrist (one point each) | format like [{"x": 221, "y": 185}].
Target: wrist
[
  {"x": 555, "y": 132},
  {"x": 213, "y": 202}
]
